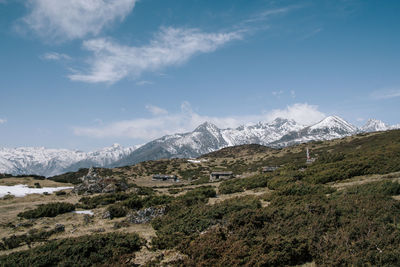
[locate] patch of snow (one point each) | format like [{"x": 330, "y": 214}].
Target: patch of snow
[
  {"x": 89, "y": 212},
  {"x": 21, "y": 190}
]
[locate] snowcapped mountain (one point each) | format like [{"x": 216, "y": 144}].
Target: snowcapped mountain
[
  {"x": 374, "y": 125},
  {"x": 204, "y": 139},
  {"x": 394, "y": 127},
  {"x": 49, "y": 162},
  {"x": 261, "y": 133},
  {"x": 329, "y": 128},
  {"x": 207, "y": 138}
]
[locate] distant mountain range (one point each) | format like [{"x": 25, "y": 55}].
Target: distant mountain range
[{"x": 204, "y": 139}]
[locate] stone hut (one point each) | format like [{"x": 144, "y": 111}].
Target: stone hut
[
  {"x": 165, "y": 177},
  {"x": 269, "y": 168},
  {"x": 216, "y": 176}
]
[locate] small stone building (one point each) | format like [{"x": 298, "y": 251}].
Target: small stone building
[
  {"x": 216, "y": 176},
  {"x": 269, "y": 168},
  {"x": 165, "y": 177}
]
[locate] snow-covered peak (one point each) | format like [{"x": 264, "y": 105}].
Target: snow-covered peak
[
  {"x": 49, "y": 162},
  {"x": 394, "y": 127},
  {"x": 334, "y": 122},
  {"x": 206, "y": 126},
  {"x": 374, "y": 125}
]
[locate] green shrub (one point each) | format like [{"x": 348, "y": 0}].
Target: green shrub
[
  {"x": 61, "y": 193},
  {"x": 195, "y": 196},
  {"x": 134, "y": 202},
  {"x": 239, "y": 185},
  {"x": 103, "y": 199},
  {"x": 91, "y": 250},
  {"x": 186, "y": 222},
  {"x": 48, "y": 210},
  {"x": 117, "y": 211},
  {"x": 302, "y": 189},
  {"x": 32, "y": 236},
  {"x": 387, "y": 188}
]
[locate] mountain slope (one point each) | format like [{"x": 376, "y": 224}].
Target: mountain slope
[
  {"x": 48, "y": 162},
  {"x": 331, "y": 127},
  {"x": 204, "y": 139},
  {"x": 374, "y": 125}
]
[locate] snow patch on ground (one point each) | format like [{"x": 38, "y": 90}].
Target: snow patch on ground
[
  {"x": 21, "y": 190},
  {"x": 89, "y": 212}
]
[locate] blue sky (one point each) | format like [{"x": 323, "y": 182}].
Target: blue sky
[{"x": 89, "y": 73}]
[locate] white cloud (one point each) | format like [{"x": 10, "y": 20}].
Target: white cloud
[
  {"x": 3, "y": 121},
  {"x": 65, "y": 20},
  {"x": 266, "y": 14},
  {"x": 386, "y": 94},
  {"x": 55, "y": 56},
  {"x": 292, "y": 93},
  {"x": 156, "y": 110},
  {"x": 277, "y": 93},
  {"x": 112, "y": 62},
  {"x": 302, "y": 113},
  {"x": 186, "y": 120}
]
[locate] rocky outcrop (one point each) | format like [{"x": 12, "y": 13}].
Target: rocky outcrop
[
  {"x": 145, "y": 215},
  {"x": 93, "y": 183}
]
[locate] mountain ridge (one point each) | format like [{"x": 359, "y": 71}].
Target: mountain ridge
[{"x": 204, "y": 139}]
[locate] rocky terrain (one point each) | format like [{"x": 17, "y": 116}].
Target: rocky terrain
[{"x": 342, "y": 209}]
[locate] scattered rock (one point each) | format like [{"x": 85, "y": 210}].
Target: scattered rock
[
  {"x": 106, "y": 215},
  {"x": 98, "y": 230},
  {"x": 8, "y": 196},
  {"x": 145, "y": 215},
  {"x": 87, "y": 218},
  {"x": 121, "y": 224},
  {"x": 24, "y": 224},
  {"x": 59, "y": 228},
  {"x": 92, "y": 183}
]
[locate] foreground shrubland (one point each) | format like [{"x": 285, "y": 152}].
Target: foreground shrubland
[{"x": 82, "y": 251}]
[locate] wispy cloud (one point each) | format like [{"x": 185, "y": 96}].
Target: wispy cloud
[
  {"x": 312, "y": 33},
  {"x": 112, "y": 61},
  {"x": 266, "y": 14},
  {"x": 156, "y": 110},
  {"x": 62, "y": 20},
  {"x": 55, "y": 56},
  {"x": 278, "y": 93},
  {"x": 301, "y": 112},
  {"x": 385, "y": 94},
  {"x": 163, "y": 123},
  {"x": 2, "y": 120}
]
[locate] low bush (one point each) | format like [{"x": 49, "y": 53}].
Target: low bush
[
  {"x": 345, "y": 230},
  {"x": 91, "y": 250},
  {"x": 48, "y": 210},
  {"x": 195, "y": 196},
  {"x": 103, "y": 199},
  {"x": 32, "y": 236},
  {"x": 117, "y": 211},
  {"x": 302, "y": 189},
  {"x": 387, "y": 188},
  {"x": 61, "y": 193},
  {"x": 186, "y": 222},
  {"x": 239, "y": 185}
]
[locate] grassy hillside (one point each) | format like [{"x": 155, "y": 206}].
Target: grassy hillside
[{"x": 343, "y": 209}]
